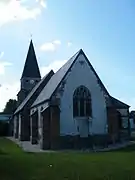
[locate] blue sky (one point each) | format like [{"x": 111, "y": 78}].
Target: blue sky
[{"x": 104, "y": 29}]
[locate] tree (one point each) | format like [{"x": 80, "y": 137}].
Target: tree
[{"x": 11, "y": 106}]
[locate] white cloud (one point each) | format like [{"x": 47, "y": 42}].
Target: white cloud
[
  {"x": 3, "y": 64},
  {"x": 8, "y": 91},
  {"x": 54, "y": 66},
  {"x": 1, "y": 54},
  {"x": 42, "y": 3},
  {"x": 50, "y": 46},
  {"x": 47, "y": 47},
  {"x": 57, "y": 42},
  {"x": 69, "y": 44},
  {"x": 17, "y": 10}
]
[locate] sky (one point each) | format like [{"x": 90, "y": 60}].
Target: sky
[{"x": 105, "y": 30}]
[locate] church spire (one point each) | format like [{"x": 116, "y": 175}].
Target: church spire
[{"x": 31, "y": 69}]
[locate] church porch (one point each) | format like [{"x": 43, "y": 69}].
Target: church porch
[
  {"x": 34, "y": 128},
  {"x": 24, "y": 125},
  {"x": 116, "y": 129},
  {"x": 50, "y": 122}
]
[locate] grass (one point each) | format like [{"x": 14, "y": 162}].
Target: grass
[{"x": 18, "y": 165}]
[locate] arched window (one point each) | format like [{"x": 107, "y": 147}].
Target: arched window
[{"x": 82, "y": 102}]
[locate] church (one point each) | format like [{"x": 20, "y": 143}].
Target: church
[{"x": 68, "y": 109}]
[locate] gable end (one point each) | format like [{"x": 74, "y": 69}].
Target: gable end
[{"x": 81, "y": 63}]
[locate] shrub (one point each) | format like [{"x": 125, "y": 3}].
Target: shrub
[{"x": 4, "y": 127}]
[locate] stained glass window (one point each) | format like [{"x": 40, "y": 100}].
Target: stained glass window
[{"x": 82, "y": 102}]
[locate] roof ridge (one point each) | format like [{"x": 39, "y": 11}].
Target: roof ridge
[
  {"x": 67, "y": 66},
  {"x": 35, "y": 88},
  {"x": 55, "y": 81},
  {"x": 69, "y": 60},
  {"x": 115, "y": 99}
]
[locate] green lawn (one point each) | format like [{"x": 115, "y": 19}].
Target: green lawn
[{"x": 17, "y": 165}]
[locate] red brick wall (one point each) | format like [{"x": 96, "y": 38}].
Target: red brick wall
[
  {"x": 34, "y": 128},
  {"x": 46, "y": 129},
  {"x": 113, "y": 123},
  {"x": 51, "y": 127},
  {"x": 55, "y": 126}
]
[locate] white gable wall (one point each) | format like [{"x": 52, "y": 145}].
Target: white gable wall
[{"x": 82, "y": 75}]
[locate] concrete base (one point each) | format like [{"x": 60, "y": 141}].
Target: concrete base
[{"x": 33, "y": 140}]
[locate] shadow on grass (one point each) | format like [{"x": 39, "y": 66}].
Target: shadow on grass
[
  {"x": 2, "y": 152},
  {"x": 130, "y": 148}
]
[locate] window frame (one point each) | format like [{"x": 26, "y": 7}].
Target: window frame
[{"x": 82, "y": 93}]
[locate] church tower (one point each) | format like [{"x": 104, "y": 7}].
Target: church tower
[{"x": 31, "y": 74}]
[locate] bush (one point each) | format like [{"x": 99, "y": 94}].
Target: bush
[{"x": 4, "y": 127}]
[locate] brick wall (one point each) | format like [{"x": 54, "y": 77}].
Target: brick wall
[
  {"x": 51, "y": 128},
  {"x": 34, "y": 128},
  {"x": 46, "y": 129},
  {"x": 55, "y": 126},
  {"x": 113, "y": 123},
  {"x": 25, "y": 125}
]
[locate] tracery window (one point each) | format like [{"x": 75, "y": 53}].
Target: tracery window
[{"x": 82, "y": 102}]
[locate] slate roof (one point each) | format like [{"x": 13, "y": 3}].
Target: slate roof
[
  {"x": 35, "y": 91},
  {"x": 31, "y": 68},
  {"x": 119, "y": 104},
  {"x": 54, "y": 82}
]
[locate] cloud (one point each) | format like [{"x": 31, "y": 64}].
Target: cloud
[
  {"x": 57, "y": 42},
  {"x": 8, "y": 91},
  {"x": 17, "y": 10},
  {"x": 50, "y": 46},
  {"x": 69, "y": 44},
  {"x": 42, "y": 3},
  {"x": 1, "y": 54},
  {"x": 3, "y": 64},
  {"x": 54, "y": 66},
  {"x": 47, "y": 47}
]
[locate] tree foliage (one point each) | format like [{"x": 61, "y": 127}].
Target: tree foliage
[{"x": 11, "y": 106}]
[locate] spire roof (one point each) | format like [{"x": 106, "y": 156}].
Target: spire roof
[{"x": 31, "y": 68}]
